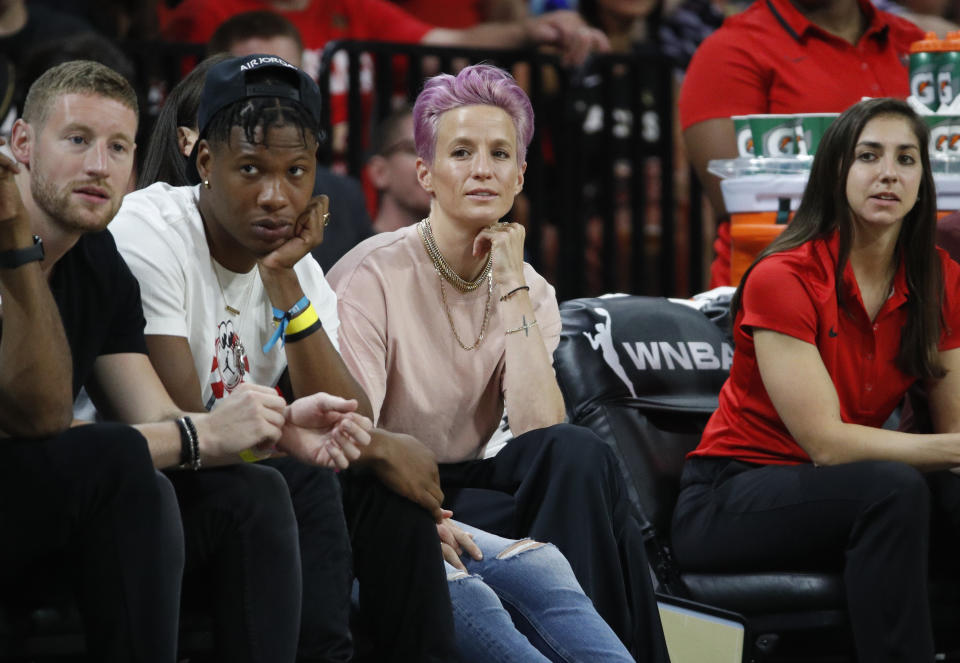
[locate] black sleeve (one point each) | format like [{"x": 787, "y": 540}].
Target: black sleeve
[{"x": 126, "y": 321}]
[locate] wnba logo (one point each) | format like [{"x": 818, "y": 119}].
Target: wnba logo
[
  {"x": 781, "y": 141},
  {"x": 923, "y": 87}
]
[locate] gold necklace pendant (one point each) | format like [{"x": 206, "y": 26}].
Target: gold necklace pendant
[{"x": 232, "y": 310}]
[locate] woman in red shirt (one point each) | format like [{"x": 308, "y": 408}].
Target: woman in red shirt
[{"x": 833, "y": 323}]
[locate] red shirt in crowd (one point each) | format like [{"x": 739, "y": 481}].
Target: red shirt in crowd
[
  {"x": 446, "y": 14},
  {"x": 320, "y": 22},
  {"x": 771, "y": 59},
  {"x": 794, "y": 293}
]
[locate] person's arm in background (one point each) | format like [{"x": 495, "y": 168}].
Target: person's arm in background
[
  {"x": 504, "y": 10},
  {"x": 723, "y": 80},
  {"x": 36, "y": 377},
  {"x": 563, "y": 29},
  {"x": 705, "y": 141}
]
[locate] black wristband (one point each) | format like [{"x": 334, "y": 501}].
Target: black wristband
[
  {"x": 513, "y": 292},
  {"x": 15, "y": 257},
  {"x": 303, "y": 333}
]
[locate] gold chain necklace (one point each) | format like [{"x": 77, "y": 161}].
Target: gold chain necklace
[
  {"x": 487, "y": 273},
  {"x": 445, "y": 271},
  {"x": 246, "y": 300},
  {"x": 486, "y": 314}
]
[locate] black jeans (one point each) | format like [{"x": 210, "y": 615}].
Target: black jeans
[
  {"x": 242, "y": 559},
  {"x": 393, "y": 544},
  {"x": 325, "y": 559},
  {"x": 871, "y": 520},
  {"x": 87, "y": 506},
  {"x": 568, "y": 490}
]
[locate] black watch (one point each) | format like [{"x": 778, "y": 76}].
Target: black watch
[{"x": 16, "y": 257}]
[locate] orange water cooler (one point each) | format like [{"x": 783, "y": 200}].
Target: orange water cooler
[{"x": 760, "y": 206}]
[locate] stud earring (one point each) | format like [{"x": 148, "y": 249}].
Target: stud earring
[{"x": 206, "y": 184}]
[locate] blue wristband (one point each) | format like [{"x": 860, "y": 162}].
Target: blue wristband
[{"x": 281, "y": 320}]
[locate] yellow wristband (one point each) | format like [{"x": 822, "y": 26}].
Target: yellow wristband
[
  {"x": 302, "y": 321},
  {"x": 250, "y": 456}
]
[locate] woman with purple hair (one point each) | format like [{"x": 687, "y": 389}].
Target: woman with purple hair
[{"x": 446, "y": 326}]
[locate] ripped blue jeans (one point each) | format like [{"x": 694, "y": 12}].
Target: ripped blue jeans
[{"x": 523, "y": 603}]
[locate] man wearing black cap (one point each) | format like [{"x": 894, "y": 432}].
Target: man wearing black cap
[{"x": 232, "y": 295}]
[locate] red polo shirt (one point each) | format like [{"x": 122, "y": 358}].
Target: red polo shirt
[
  {"x": 772, "y": 59},
  {"x": 794, "y": 293}
]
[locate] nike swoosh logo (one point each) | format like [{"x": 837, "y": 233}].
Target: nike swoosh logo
[{"x": 832, "y": 333}]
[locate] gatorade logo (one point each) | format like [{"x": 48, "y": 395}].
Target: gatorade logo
[
  {"x": 745, "y": 142},
  {"x": 780, "y": 142},
  {"x": 922, "y": 87},
  {"x": 954, "y": 140},
  {"x": 945, "y": 80},
  {"x": 940, "y": 138}
]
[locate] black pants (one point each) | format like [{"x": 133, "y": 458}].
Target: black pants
[
  {"x": 568, "y": 490},
  {"x": 869, "y": 519},
  {"x": 88, "y": 507},
  {"x": 242, "y": 559},
  {"x": 392, "y": 542}
]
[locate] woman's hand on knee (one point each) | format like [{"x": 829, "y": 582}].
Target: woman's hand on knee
[{"x": 454, "y": 542}]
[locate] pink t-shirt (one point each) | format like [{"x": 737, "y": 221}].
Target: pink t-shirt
[{"x": 397, "y": 341}]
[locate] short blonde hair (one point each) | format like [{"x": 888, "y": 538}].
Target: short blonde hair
[{"x": 76, "y": 77}]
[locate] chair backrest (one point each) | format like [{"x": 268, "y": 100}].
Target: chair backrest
[{"x": 644, "y": 374}]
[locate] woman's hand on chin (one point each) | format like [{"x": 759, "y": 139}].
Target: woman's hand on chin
[{"x": 505, "y": 242}]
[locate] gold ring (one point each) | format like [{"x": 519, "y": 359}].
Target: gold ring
[{"x": 326, "y": 219}]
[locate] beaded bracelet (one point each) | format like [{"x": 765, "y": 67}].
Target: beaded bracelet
[{"x": 189, "y": 444}]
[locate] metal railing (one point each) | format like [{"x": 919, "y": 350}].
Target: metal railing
[{"x": 600, "y": 178}]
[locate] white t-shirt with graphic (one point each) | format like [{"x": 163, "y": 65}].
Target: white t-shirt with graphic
[{"x": 185, "y": 293}]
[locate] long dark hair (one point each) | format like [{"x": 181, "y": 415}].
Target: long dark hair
[
  {"x": 164, "y": 162},
  {"x": 824, "y": 208}
]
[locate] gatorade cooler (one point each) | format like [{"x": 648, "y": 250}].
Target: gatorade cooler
[{"x": 760, "y": 207}]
